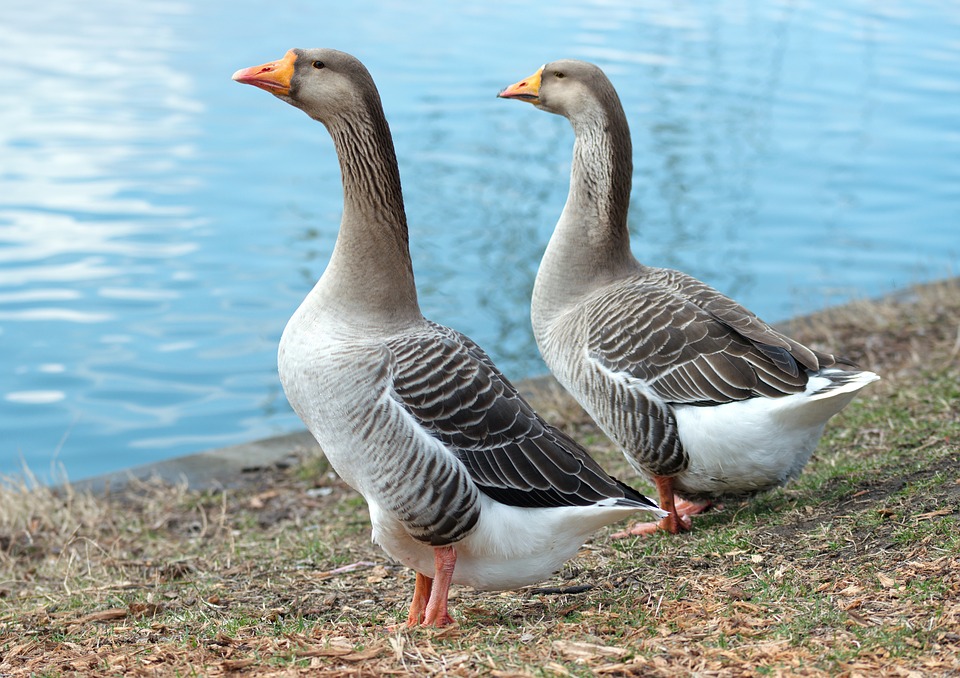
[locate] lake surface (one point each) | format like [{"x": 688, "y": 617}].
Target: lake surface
[{"x": 159, "y": 223}]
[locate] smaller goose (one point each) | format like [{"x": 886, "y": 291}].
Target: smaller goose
[
  {"x": 702, "y": 396},
  {"x": 465, "y": 482}
]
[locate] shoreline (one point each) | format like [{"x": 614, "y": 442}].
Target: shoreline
[
  {"x": 229, "y": 466},
  {"x": 852, "y": 567},
  {"x": 224, "y": 467}
]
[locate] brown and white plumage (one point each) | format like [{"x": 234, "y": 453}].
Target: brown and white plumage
[
  {"x": 464, "y": 481},
  {"x": 701, "y": 395}
]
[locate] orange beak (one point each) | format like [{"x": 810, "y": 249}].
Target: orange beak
[
  {"x": 273, "y": 77},
  {"x": 527, "y": 89}
]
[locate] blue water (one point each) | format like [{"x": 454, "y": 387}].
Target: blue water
[{"x": 159, "y": 223}]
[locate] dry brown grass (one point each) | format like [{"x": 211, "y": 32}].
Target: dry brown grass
[{"x": 852, "y": 570}]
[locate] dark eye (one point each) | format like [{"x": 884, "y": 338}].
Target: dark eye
[
  {"x": 558, "y": 74},
  {"x": 318, "y": 64}
]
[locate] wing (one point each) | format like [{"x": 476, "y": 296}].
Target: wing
[
  {"x": 690, "y": 344},
  {"x": 452, "y": 388}
]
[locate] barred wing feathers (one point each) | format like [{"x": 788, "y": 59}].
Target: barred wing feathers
[{"x": 451, "y": 387}]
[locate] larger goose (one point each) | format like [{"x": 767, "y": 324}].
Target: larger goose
[
  {"x": 702, "y": 396},
  {"x": 464, "y": 481}
]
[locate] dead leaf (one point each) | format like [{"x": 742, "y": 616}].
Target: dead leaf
[
  {"x": 377, "y": 575},
  {"x": 258, "y": 501},
  {"x": 328, "y": 651},
  {"x": 103, "y": 615},
  {"x": 857, "y": 619},
  {"x": 450, "y": 631},
  {"x": 221, "y": 639},
  {"x": 363, "y": 655},
  {"x": 737, "y": 593},
  {"x": 617, "y": 669},
  {"x": 885, "y": 581},
  {"x": 140, "y": 610},
  {"x": 581, "y": 651},
  {"x": 236, "y": 664},
  {"x": 934, "y": 514},
  {"x": 21, "y": 648}
]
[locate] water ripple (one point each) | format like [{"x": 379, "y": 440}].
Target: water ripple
[{"x": 159, "y": 224}]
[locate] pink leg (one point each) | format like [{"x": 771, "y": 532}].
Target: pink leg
[
  {"x": 691, "y": 508},
  {"x": 421, "y": 594},
  {"x": 678, "y": 512},
  {"x": 445, "y": 558}
]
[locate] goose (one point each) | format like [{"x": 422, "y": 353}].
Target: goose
[
  {"x": 703, "y": 398},
  {"x": 465, "y": 482}
]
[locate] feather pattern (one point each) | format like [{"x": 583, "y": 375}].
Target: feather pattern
[
  {"x": 464, "y": 481},
  {"x": 453, "y": 390},
  {"x": 690, "y": 384},
  {"x": 691, "y": 348}
]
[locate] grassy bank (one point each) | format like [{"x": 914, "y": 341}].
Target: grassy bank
[{"x": 853, "y": 569}]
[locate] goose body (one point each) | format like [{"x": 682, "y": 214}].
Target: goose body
[
  {"x": 422, "y": 425},
  {"x": 465, "y": 482},
  {"x": 702, "y": 397}
]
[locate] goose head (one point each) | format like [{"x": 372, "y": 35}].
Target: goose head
[
  {"x": 566, "y": 87},
  {"x": 323, "y": 83}
]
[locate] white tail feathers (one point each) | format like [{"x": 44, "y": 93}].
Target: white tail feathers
[
  {"x": 828, "y": 392},
  {"x": 831, "y": 382}
]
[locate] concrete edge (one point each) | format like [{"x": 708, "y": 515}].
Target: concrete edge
[
  {"x": 221, "y": 467},
  {"x": 226, "y": 466}
]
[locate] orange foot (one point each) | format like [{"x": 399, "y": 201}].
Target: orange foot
[
  {"x": 421, "y": 594},
  {"x": 429, "y": 605},
  {"x": 681, "y": 523},
  {"x": 678, "y": 513},
  {"x": 444, "y": 559}
]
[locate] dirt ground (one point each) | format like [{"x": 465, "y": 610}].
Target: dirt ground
[{"x": 854, "y": 569}]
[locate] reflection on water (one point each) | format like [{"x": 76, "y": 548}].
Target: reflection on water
[{"x": 158, "y": 224}]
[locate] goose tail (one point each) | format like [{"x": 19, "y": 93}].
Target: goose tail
[{"x": 831, "y": 383}]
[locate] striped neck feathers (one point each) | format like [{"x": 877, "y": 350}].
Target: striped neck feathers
[
  {"x": 591, "y": 243},
  {"x": 370, "y": 271}
]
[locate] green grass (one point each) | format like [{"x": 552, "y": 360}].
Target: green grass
[{"x": 853, "y": 567}]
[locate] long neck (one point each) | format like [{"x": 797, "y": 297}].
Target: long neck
[
  {"x": 600, "y": 179},
  {"x": 370, "y": 272},
  {"x": 591, "y": 243}
]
